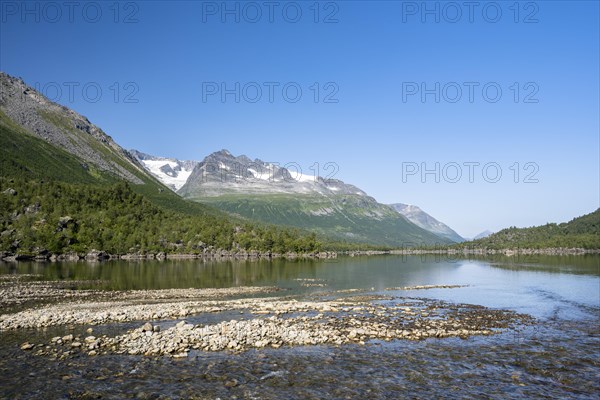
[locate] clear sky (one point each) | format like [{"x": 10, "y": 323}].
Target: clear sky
[{"x": 378, "y": 67}]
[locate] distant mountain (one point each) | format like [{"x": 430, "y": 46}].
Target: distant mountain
[
  {"x": 264, "y": 191},
  {"x": 170, "y": 171},
  {"x": 426, "y": 221},
  {"x": 581, "y": 232},
  {"x": 222, "y": 173},
  {"x": 483, "y": 234}
]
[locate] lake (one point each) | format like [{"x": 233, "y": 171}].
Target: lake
[{"x": 557, "y": 357}]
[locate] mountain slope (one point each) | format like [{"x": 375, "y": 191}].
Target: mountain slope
[
  {"x": 40, "y": 139},
  {"x": 263, "y": 191},
  {"x": 426, "y": 221},
  {"x": 581, "y": 232},
  {"x": 65, "y": 129},
  {"x": 170, "y": 171}
]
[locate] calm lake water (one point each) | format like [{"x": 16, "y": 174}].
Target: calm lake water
[{"x": 559, "y": 357}]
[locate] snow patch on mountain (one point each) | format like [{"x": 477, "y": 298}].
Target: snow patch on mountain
[{"x": 170, "y": 171}]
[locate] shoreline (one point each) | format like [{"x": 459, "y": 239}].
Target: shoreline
[
  {"x": 552, "y": 251},
  {"x": 224, "y": 255}
]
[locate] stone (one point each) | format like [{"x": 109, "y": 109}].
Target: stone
[
  {"x": 96, "y": 255},
  {"x": 27, "y": 346},
  {"x": 231, "y": 383},
  {"x": 147, "y": 327},
  {"x": 67, "y": 338}
]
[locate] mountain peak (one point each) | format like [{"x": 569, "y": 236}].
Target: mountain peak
[{"x": 223, "y": 152}]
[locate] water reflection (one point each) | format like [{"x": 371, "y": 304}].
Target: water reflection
[{"x": 372, "y": 273}]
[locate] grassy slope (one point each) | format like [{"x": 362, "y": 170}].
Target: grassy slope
[
  {"x": 23, "y": 155},
  {"x": 583, "y": 232},
  {"x": 349, "y": 218}
]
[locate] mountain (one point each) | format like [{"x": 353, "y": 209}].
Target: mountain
[
  {"x": 426, "y": 221},
  {"x": 222, "y": 173},
  {"x": 170, "y": 171},
  {"x": 26, "y": 117},
  {"x": 483, "y": 234},
  {"x": 264, "y": 191},
  {"x": 40, "y": 139},
  {"x": 66, "y": 186},
  {"x": 581, "y": 232}
]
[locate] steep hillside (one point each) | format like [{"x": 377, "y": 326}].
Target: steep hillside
[
  {"x": 65, "y": 129},
  {"x": 40, "y": 139}
]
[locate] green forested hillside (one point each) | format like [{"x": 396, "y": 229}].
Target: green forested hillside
[
  {"x": 61, "y": 217},
  {"x": 581, "y": 232}
]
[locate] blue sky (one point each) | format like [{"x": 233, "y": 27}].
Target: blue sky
[{"x": 375, "y": 59}]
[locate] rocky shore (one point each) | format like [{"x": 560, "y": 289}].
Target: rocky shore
[
  {"x": 219, "y": 254},
  {"x": 555, "y": 251},
  {"x": 96, "y": 255}
]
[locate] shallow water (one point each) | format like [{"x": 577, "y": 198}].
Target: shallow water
[{"x": 558, "y": 357}]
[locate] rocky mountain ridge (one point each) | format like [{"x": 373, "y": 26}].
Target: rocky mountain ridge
[{"x": 223, "y": 173}]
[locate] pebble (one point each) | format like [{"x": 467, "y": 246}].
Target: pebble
[
  {"x": 27, "y": 346},
  {"x": 231, "y": 383}
]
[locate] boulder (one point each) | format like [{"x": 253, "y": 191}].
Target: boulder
[{"x": 96, "y": 255}]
